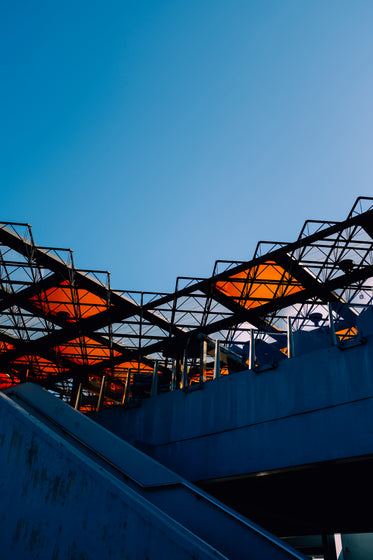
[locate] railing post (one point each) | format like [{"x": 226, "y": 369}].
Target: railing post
[
  {"x": 173, "y": 375},
  {"x": 203, "y": 359},
  {"x": 217, "y": 360},
  {"x": 184, "y": 376},
  {"x": 154, "y": 389},
  {"x": 333, "y": 335},
  {"x": 126, "y": 394},
  {"x": 291, "y": 350},
  {"x": 252, "y": 351},
  {"x": 101, "y": 395},
  {"x": 78, "y": 397}
]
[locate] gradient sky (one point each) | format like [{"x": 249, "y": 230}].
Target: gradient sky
[{"x": 155, "y": 137}]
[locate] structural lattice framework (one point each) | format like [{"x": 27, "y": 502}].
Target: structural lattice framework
[{"x": 63, "y": 327}]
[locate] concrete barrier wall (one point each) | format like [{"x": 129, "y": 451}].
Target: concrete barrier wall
[
  {"x": 56, "y": 503},
  {"x": 314, "y": 407}
]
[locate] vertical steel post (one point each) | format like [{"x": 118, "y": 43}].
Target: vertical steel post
[
  {"x": 173, "y": 375},
  {"x": 203, "y": 359},
  {"x": 154, "y": 389},
  {"x": 291, "y": 350},
  {"x": 74, "y": 391},
  {"x": 333, "y": 336},
  {"x": 184, "y": 376},
  {"x": 252, "y": 351},
  {"x": 78, "y": 397},
  {"x": 101, "y": 395},
  {"x": 178, "y": 373},
  {"x": 217, "y": 360},
  {"x": 126, "y": 393}
]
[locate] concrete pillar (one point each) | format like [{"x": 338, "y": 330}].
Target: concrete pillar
[{"x": 329, "y": 549}]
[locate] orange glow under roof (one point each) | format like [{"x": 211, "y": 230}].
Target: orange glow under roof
[
  {"x": 39, "y": 366},
  {"x": 257, "y": 285},
  {"x": 85, "y": 350},
  {"x": 76, "y": 303},
  {"x": 120, "y": 371},
  {"x": 6, "y": 381},
  {"x": 4, "y": 346},
  {"x": 134, "y": 364}
]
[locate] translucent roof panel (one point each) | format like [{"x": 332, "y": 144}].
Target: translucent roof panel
[
  {"x": 259, "y": 284},
  {"x": 69, "y": 302}
]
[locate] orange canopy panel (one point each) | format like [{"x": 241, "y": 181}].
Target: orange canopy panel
[
  {"x": 75, "y": 303},
  {"x": 259, "y": 284},
  {"x": 4, "y": 346},
  {"x": 346, "y": 334},
  {"x": 85, "y": 350},
  {"x": 120, "y": 371},
  {"x": 7, "y": 381},
  {"x": 39, "y": 366}
]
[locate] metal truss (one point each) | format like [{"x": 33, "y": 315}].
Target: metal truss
[{"x": 68, "y": 330}]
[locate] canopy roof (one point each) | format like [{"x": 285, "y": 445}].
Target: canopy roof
[{"x": 61, "y": 326}]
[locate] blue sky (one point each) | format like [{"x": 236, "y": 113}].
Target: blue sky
[{"x": 155, "y": 137}]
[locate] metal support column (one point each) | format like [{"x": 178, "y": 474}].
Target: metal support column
[
  {"x": 217, "y": 360},
  {"x": 154, "y": 389},
  {"x": 74, "y": 390},
  {"x": 291, "y": 349},
  {"x": 333, "y": 336},
  {"x": 252, "y": 351},
  {"x": 173, "y": 375},
  {"x": 78, "y": 397},
  {"x": 184, "y": 375},
  {"x": 101, "y": 395},
  {"x": 126, "y": 394},
  {"x": 203, "y": 359}
]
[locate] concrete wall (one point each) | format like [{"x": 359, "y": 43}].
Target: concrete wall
[
  {"x": 57, "y": 504},
  {"x": 358, "y": 546},
  {"x": 315, "y": 407}
]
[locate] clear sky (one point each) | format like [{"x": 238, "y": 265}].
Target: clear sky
[{"x": 154, "y": 137}]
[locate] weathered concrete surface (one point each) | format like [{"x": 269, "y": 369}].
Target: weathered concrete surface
[
  {"x": 58, "y": 504},
  {"x": 315, "y": 407},
  {"x": 75, "y": 490}
]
